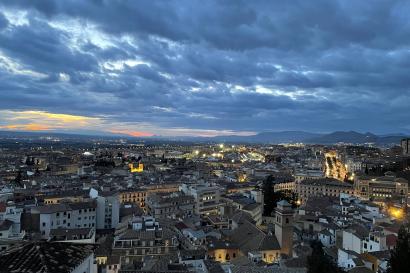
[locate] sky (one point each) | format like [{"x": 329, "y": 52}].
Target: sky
[{"x": 204, "y": 68}]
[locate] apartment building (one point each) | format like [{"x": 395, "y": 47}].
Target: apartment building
[
  {"x": 65, "y": 215},
  {"x": 144, "y": 237},
  {"x": 207, "y": 197},
  {"x": 170, "y": 205},
  {"x": 133, "y": 196}
]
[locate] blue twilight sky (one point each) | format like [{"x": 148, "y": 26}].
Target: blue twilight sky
[{"x": 195, "y": 67}]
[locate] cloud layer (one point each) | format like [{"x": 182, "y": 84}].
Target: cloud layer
[{"x": 206, "y": 67}]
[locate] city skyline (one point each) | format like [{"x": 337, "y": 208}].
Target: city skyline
[{"x": 189, "y": 68}]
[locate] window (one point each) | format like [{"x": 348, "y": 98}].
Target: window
[
  {"x": 44, "y": 224},
  {"x": 287, "y": 220}
]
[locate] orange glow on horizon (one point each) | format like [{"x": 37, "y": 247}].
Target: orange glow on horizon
[
  {"x": 26, "y": 127},
  {"x": 132, "y": 133}
]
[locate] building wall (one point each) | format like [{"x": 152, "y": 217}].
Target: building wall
[
  {"x": 290, "y": 186},
  {"x": 57, "y": 200},
  {"x": 66, "y": 219},
  {"x": 306, "y": 190},
  {"x": 270, "y": 256},
  {"x": 108, "y": 212},
  {"x": 224, "y": 255},
  {"x": 405, "y": 144},
  {"x": 87, "y": 266},
  {"x": 207, "y": 197},
  {"x": 379, "y": 190},
  {"x": 4, "y": 234},
  {"x": 352, "y": 242},
  {"x": 136, "y": 197}
]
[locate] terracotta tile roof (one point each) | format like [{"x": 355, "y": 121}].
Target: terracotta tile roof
[{"x": 44, "y": 257}]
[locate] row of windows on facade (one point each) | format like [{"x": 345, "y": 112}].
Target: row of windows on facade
[
  {"x": 227, "y": 256},
  {"x": 133, "y": 195},
  {"x": 141, "y": 243},
  {"x": 278, "y": 219},
  {"x": 79, "y": 212},
  {"x": 326, "y": 189},
  {"x": 64, "y": 221},
  {"x": 146, "y": 251}
]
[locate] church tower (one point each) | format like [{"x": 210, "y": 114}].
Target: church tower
[{"x": 284, "y": 226}]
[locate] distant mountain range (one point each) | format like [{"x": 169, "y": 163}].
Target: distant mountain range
[
  {"x": 315, "y": 138},
  {"x": 263, "y": 137},
  {"x": 271, "y": 137}
]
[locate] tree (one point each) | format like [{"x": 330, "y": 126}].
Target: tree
[
  {"x": 400, "y": 256},
  {"x": 18, "y": 179},
  {"x": 318, "y": 262},
  {"x": 268, "y": 195}
]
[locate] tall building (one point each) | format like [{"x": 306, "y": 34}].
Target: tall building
[
  {"x": 405, "y": 144},
  {"x": 108, "y": 209},
  {"x": 284, "y": 227}
]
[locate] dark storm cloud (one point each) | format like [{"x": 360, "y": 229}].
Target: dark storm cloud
[{"x": 238, "y": 65}]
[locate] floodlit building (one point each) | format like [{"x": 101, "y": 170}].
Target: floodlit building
[{"x": 380, "y": 188}]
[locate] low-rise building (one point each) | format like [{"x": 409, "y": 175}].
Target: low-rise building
[
  {"x": 170, "y": 205},
  {"x": 144, "y": 236},
  {"x": 133, "y": 196},
  {"x": 322, "y": 187}
]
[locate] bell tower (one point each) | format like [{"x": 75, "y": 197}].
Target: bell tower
[{"x": 284, "y": 226}]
